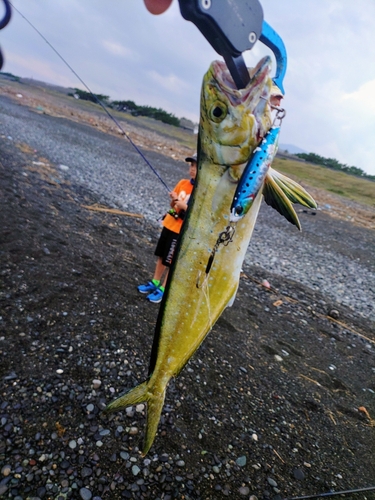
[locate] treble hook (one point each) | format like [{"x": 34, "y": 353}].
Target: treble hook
[{"x": 4, "y": 21}]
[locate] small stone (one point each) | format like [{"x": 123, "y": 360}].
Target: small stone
[
  {"x": 6, "y": 470},
  {"x": 254, "y": 437},
  {"x": 124, "y": 455},
  {"x": 96, "y": 383},
  {"x": 333, "y": 313},
  {"x": 133, "y": 431},
  {"x": 90, "y": 407},
  {"x": 73, "y": 444},
  {"x": 244, "y": 491},
  {"x": 272, "y": 482},
  {"x": 278, "y": 358},
  {"x": 86, "y": 472},
  {"x": 136, "y": 470},
  {"x": 139, "y": 408},
  {"x": 298, "y": 474},
  {"x": 85, "y": 494},
  {"x": 241, "y": 461}
]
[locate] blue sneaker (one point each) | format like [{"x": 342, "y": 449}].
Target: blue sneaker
[
  {"x": 148, "y": 288},
  {"x": 156, "y": 296}
]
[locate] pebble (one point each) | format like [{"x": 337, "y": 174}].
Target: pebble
[
  {"x": 96, "y": 383},
  {"x": 244, "y": 491},
  {"x": 135, "y": 470},
  {"x": 241, "y": 461},
  {"x": 333, "y": 313},
  {"x": 85, "y": 494},
  {"x": 272, "y": 482},
  {"x": 6, "y": 470},
  {"x": 298, "y": 474}
]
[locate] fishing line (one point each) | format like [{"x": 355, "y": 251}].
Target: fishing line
[
  {"x": 95, "y": 97},
  {"x": 333, "y": 493}
]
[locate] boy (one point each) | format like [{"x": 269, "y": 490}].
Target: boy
[{"x": 172, "y": 224}]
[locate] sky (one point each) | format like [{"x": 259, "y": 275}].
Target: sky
[{"x": 121, "y": 50}]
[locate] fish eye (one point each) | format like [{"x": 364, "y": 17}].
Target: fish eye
[{"x": 218, "y": 112}]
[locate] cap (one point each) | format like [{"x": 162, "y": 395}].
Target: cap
[
  {"x": 276, "y": 92},
  {"x": 192, "y": 158}
]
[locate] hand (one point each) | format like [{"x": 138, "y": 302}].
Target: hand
[
  {"x": 180, "y": 205},
  {"x": 157, "y": 6}
]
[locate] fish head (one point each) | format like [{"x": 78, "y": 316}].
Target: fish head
[{"x": 233, "y": 121}]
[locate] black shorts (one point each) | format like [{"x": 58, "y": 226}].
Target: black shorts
[{"x": 166, "y": 246}]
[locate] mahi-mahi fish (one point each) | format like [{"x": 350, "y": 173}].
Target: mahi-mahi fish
[{"x": 204, "y": 277}]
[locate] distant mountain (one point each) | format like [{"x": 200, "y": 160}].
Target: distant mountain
[{"x": 293, "y": 150}]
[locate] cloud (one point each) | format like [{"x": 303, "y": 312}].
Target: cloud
[
  {"x": 362, "y": 98},
  {"x": 32, "y": 67},
  {"x": 116, "y": 49},
  {"x": 171, "y": 83}
]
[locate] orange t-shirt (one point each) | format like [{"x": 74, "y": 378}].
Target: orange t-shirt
[{"x": 183, "y": 189}]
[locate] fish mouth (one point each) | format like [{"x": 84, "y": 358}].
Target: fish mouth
[{"x": 252, "y": 91}]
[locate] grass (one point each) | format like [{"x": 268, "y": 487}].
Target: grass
[{"x": 334, "y": 181}]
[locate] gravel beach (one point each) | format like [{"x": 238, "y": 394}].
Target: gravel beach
[{"x": 279, "y": 400}]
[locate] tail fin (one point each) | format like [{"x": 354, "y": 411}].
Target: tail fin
[{"x": 141, "y": 394}]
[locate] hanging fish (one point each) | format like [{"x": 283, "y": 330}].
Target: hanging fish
[{"x": 206, "y": 270}]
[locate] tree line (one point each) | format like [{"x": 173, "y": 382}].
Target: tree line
[
  {"x": 334, "y": 164},
  {"x": 129, "y": 107}
]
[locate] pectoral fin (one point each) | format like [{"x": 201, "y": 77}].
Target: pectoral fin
[
  {"x": 294, "y": 191},
  {"x": 275, "y": 197}
]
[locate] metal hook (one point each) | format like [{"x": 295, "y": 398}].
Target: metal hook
[
  {"x": 4, "y": 21},
  {"x": 280, "y": 115}
]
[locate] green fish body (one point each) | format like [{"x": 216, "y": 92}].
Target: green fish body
[{"x": 204, "y": 278}]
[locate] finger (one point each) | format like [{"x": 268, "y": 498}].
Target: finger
[{"x": 157, "y": 6}]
